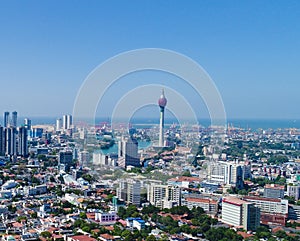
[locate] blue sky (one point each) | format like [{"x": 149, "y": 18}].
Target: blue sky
[{"x": 250, "y": 49}]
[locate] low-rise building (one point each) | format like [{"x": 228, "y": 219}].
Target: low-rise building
[
  {"x": 106, "y": 218},
  {"x": 138, "y": 223},
  {"x": 273, "y": 210},
  {"x": 274, "y": 191},
  {"x": 80, "y": 238},
  {"x": 3, "y": 209},
  {"x": 135, "y": 223},
  {"x": 5, "y": 194},
  {"x": 37, "y": 190},
  {"x": 208, "y": 205}
]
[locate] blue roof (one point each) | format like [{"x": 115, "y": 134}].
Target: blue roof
[
  {"x": 136, "y": 219},
  {"x": 130, "y": 219},
  {"x": 141, "y": 221}
]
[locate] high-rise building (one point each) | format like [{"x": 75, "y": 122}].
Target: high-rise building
[
  {"x": 84, "y": 158},
  {"x": 58, "y": 124},
  {"x": 67, "y": 122},
  {"x": 2, "y": 141},
  {"x": 22, "y": 142},
  {"x": 14, "y": 119},
  {"x": 11, "y": 141},
  {"x": 235, "y": 175},
  {"x": 105, "y": 159},
  {"x": 164, "y": 196},
  {"x": 247, "y": 170},
  {"x": 6, "y": 119},
  {"x": 230, "y": 173},
  {"x": 65, "y": 125},
  {"x": 128, "y": 152},
  {"x": 162, "y": 102},
  {"x": 27, "y": 123},
  {"x": 130, "y": 191},
  {"x": 240, "y": 213},
  {"x": 37, "y": 132},
  {"x": 66, "y": 159}
]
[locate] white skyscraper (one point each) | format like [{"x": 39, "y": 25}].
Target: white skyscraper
[
  {"x": 67, "y": 122},
  {"x": 64, "y": 125},
  {"x": 27, "y": 123},
  {"x": 58, "y": 124}
]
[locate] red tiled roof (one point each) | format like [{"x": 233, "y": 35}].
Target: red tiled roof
[
  {"x": 274, "y": 186},
  {"x": 234, "y": 201},
  {"x": 186, "y": 179},
  {"x": 17, "y": 225},
  {"x": 276, "y": 229},
  {"x": 57, "y": 236},
  {"x": 201, "y": 200},
  {"x": 109, "y": 228},
  {"x": 262, "y": 199},
  {"x": 82, "y": 238},
  {"x": 90, "y": 215},
  {"x": 244, "y": 234},
  {"x": 107, "y": 236}
]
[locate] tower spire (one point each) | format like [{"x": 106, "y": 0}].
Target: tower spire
[{"x": 162, "y": 102}]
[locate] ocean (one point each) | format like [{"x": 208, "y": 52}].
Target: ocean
[{"x": 252, "y": 124}]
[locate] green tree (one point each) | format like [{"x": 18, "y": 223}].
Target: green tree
[
  {"x": 281, "y": 234},
  {"x": 222, "y": 234},
  {"x": 186, "y": 174},
  {"x": 34, "y": 215},
  {"x": 46, "y": 234},
  {"x": 151, "y": 238},
  {"x": 20, "y": 218},
  {"x": 42, "y": 157},
  {"x": 122, "y": 212},
  {"x": 185, "y": 228},
  {"x": 263, "y": 232},
  {"x": 82, "y": 215},
  {"x": 11, "y": 208},
  {"x": 117, "y": 230},
  {"x": 150, "y": 210},
  {"x": 86, "y": 228},
  {"x": 127, "y": 235}
]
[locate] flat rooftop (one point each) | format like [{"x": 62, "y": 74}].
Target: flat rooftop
[{"x": 234, "y": 201}]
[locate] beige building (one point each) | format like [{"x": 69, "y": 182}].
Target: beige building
[
  {"x": 208, "y": 205},
  {"x": 240, "y": 213},
  {"x": 164, "y": 196}
]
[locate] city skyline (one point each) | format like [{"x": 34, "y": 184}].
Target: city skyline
[
  {"x": 249, "y": 49},
  {"x": 149, "y": 120}
]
